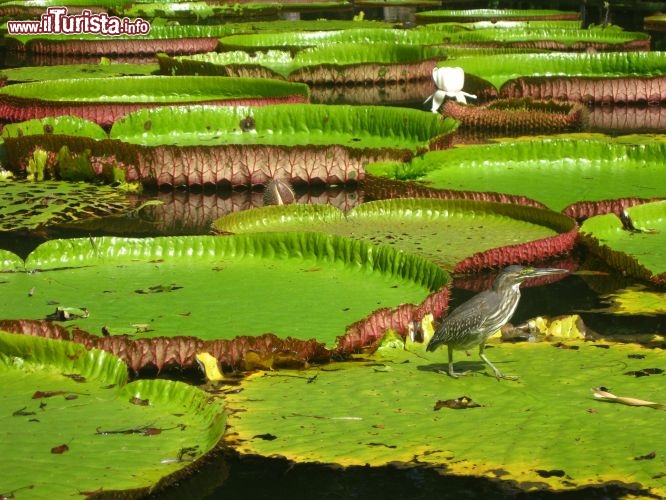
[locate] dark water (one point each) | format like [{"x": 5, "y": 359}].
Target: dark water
[{"x": 226, "y": 475}]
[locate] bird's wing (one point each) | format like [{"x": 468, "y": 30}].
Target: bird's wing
[{"x": 462, "y": 323}]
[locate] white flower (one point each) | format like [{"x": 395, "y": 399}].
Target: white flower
[{"x": 449, "y": 82}]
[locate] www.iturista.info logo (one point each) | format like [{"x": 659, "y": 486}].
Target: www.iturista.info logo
[{"x": 56, "y": 21}]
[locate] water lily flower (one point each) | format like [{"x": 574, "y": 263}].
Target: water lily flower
[{"x": 449, "y": 82}]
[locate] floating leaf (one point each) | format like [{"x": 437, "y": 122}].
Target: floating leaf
[
  {"x": 455, "y": 234},
  {"x": 223, "y": 304},
  {"x": 641, "y": 254},
  {"x": 603, "y": 77},
  {"x": 633, "y": 300},
  {"x": 26, "y": 205},
  {"x": 560, "y": 172},
  {"x": 104, "y": 101},
  {"x": 602, "y": 394},
  {"x": 494, "y": 15},
  {"x": 66, "y": 440},
  {"x": 523, "y": 429}
]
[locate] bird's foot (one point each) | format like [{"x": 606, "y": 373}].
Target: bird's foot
[
  {"x": 500, "y": 376},
  {"x": 453, "y": 374}
]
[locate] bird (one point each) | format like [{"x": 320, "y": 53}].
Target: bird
[{"x": 474, "y": 321}]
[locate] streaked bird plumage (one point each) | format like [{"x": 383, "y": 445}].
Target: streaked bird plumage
[{"x": 473, "y": 322}]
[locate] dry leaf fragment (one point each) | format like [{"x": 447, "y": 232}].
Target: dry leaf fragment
[{"x": 602, "y": 394}]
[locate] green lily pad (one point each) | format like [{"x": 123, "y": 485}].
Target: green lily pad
[
  {"x": 560, "y": 172},
  {"x": 453, "y": 26},
  {"x": 635, "y": 300},
  {"x": 591, "y": 77},
  {"x": 29, "y": 205},
  {"x": 354, "y": 127},
  {"x": 293, "y": 285},
  {"x": 338, "y": 63},
  {"x": 9, "y": 261},
  {"x": 249, "y": 146},
  {"x": 474, "y": 15},
  {"x": 638, "y": 250},
  {"x": 105, "y": 101},
  {"x": 55, "y": 125},
  {"x": 295, "y": 40},
  {"x": 452, "y": 233},
  {"x": 545, "y": 432},
  {"x": 78, "y": 71},
  {"x": 73, "y": 412},
  {"x": 545, "y": 35}
]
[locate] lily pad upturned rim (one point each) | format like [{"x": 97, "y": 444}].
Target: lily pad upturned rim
[
  {"x": 501, "y": 69},
  {"x": 132, "y": 89},
  {"x": 283, "y": 120},
  {"x": 328, "y": 64},
  {"x": 605, "y": 233},
  {"x": 642, "y": 154},
  {"x": 372, "y": 425},
  {"x": 179, "y": 350},
  {"x": 297, "y": 40},
  {"x": 105, "y": 375},
  {"x": 491, "y": 258},
  {"x": 30, "y": 205},
  {"x": 473, "y": 15},
  {"x": 25, "y": 101},
  {"x": 82, "y": 252}
]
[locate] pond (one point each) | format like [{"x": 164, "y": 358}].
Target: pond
[{"x": 330, "y": 401}]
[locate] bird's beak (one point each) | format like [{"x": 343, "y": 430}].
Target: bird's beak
[{"x": 543, "y": 271}]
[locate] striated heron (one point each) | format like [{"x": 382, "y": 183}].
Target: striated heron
[{"x": 471, "y": 323}]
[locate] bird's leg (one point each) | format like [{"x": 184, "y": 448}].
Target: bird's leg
[
  {"x": 452, "y": 373},
  {"x": 498, "y": 374}
]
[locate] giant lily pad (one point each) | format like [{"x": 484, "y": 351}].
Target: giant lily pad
[
  {"x": 548, "y": 38},
  {"x": 29, "y": 205},
  {"x": 249, "y": 146},
  {"x": 73, "y": 412},
  {"x": 560, "y": 172},
  {"x": 295, "y": 41},
  {"x": 106, "y": 101},
  {"x": 636, "y": 246},
  {"x": 545, "y": 432},
  {"x": 604, "y": 77},
  {"x": 517, "y": 115},
  {"x": 336, "y": 64},
  {"x": 240, "y": 145},
  {"x": 460, "y": 235},
  {"x": 10, "y": 261},
  {"x": 37, "y": 73},
  {"x": 198, "y": 287},
  {"x": 494, "y": 15}
]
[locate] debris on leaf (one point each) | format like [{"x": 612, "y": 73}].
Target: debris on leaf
[
  {"x": 562, "y": 345},
  {"x": 602, "y": 394},
  {"x": 645, "y": 372},
  {"x": 23, "y": 413},
  {"x": 59, "y": 450},
  {"x": 68, "y": 313},
  {"x": 208, "y": 363},
  {"x": 136, "y": 400},
  {"x": 159, "y": 289},
  {"x": 564, "y": 327},
  {"x": 461, "y": 403},
  {"x": 76, "y": 377},
  {"x": 650, "y": 456}
]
